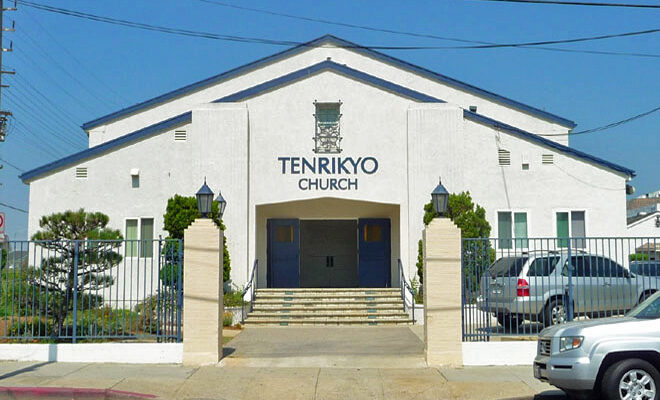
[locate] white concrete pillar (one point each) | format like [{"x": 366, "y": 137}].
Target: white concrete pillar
[
  {"x": 442, "y": 294},
  {"x": 202, "y": 293}
]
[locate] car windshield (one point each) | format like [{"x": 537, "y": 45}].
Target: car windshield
[
  {"x": 507, "y": 267},
  {"x": 649, "y": 309}
]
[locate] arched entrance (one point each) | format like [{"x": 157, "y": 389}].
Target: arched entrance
[{"x": 327, "y": 243}]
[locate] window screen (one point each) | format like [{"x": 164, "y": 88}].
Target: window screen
[
  {"x": 146, "y": 237},
  {"x": 504, "y": 229},
  {"x": 578, "y": 229},
  {"x": 562, "y": 229},
  {"x": 131, "y": 236},
  {"x": 373, "y": 233},
  {"x": 520, "y": 229},
  {"x": 327, "y": 113}
]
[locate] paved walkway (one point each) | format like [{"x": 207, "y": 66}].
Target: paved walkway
[
  {"x": 327, "y": 346},
  {"x": 294, "y": 363},
  {"x": 216, "y": 382}
]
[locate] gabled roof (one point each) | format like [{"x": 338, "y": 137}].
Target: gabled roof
[
  {"x": 143, "y": 133},
  {"x": 546, "y": 142},
  {"x": 328, "y": 39},
  {"x": 328, "y": 66},
  {"x": 296, "y": 76},
  {"x": 641, "y": 217}
]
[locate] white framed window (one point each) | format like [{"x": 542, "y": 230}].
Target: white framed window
[
  {"x": 139, "y": 235},
  {"x": 571, "y": 223},
  {"x": 512, "y": 229}
]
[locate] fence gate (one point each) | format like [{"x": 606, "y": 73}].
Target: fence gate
[
  {"x": 72, "y": 290},
  {"x": 518, "y": 286}
]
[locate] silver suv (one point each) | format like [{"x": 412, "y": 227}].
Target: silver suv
[
  {"x": 536, "y": 286},
  {"x": 618, "y": 358}
]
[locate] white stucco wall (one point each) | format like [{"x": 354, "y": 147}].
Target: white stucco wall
[{"x": 236, "y": 146}]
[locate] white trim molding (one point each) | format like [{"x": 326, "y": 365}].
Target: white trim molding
[{"x": 125, "y": 353}]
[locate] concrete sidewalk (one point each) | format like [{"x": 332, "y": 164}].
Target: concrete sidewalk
[{"x": 233, "y": 382}]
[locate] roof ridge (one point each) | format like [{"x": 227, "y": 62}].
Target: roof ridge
[{"x": 327, "y": 38}]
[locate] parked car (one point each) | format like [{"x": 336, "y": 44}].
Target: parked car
[
  {"x": 646, "y": 268},
  {"x": 614, "y": 358},
  {"x": 535, "y": 286}
]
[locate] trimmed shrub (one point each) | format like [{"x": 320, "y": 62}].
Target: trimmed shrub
[{"x": 227, "y": 318}]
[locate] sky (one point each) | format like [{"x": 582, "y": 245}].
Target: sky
[{"x": 70, "y": 71}]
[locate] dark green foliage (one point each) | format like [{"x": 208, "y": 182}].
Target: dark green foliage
[
  {"x": 420, "y": 261},
  {"x": 30, "y": 327},
  {"x": 154, "y": 311},
  {"x": 233, "y": 299},
  {"x": 74, "y": 260},
  {"x": 3, "y": 258},
  {"x": 181, "y": 212},
  {"x": 470, "y": 218},
  {"x": 639, "y": 257}
]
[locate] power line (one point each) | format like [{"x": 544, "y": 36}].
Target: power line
[
  {"x": 413, "y": 34},
  {"x": 77, "y": 61},
  {"x": 12, "y": 165},
  {"x": 575, "y": 3},
  {"x": 209, "y": 35},
  {"x": 13, "y": 208},
  {"x": 608, "y": 126},
  {"x": 64, "y": 70}
]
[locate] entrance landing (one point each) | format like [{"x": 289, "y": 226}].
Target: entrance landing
[{"x": 327, "y": 347}]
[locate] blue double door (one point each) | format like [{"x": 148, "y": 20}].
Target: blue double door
[{"x": 329, "y": 253}]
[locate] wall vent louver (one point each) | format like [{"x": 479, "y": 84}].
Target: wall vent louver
[
  {"x": 81, "y": 172},
  {"x": 504, "y": 157},
  {"x": 180, "y": 136},
  {"x": 547, "y": 159}
]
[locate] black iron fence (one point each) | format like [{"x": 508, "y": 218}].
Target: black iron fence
[
  {"x": 519, "y": 286},
  {"x": 72, "y": 290}
]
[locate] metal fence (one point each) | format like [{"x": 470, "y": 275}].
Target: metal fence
[
  {"x": 519, "y": 286},
  {"x": 71, "y": 290}
]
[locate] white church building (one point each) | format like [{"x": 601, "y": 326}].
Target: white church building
[{"x": 326, "y": 154}]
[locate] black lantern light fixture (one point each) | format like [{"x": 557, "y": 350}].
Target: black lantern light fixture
[
  {"x": 204, "y": 199},
  {"x": 222, "y": 204},
  {"x": 439, "y": 198}
]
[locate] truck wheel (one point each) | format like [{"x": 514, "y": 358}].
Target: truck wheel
[
  {"x": 508, "y": 321},
  {"x": 631, "y": 379},
  {"x": 555, "y": 313}
]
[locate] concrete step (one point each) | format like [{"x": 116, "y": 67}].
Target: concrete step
[
  {"x": 327, "y": 297},
  {"x": 327, "y": 314},
  {"x": 320, "y": 302},
  {"x": 349, "y": 306},
  {"x": 331, "y": 290},
  {"x": 336, "y": 306},
  {"x": 328, "y": 321}
]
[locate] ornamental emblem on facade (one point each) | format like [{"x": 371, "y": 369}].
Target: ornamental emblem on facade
[{"x": 327, "y": 136}]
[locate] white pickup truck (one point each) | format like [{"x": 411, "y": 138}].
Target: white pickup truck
[{"x": 613, "y": 358}]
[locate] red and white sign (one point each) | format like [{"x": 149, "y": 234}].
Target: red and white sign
[{"x": 2, "y": 222}]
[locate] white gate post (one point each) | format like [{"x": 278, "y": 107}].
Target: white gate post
[
  {"x": 442, "y": 294},
  {"x": 202, "y": 293}
]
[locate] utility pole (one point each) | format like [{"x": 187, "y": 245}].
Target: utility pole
[{"x": 4, "y": 114}]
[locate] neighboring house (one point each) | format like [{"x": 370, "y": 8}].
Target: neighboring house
[
  {"x": 326, "y": 154},
  {"x": 644, "y": 222}
]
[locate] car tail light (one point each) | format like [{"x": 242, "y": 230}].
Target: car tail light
[{"x": 522, "y": 289}]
